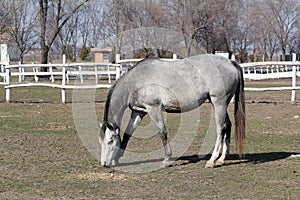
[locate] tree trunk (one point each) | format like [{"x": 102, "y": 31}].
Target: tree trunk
[
  {"x": 22, "y": 57},
  {"x": 60, "y": 19},
  {"x": 43, "y": 20},
  {"x": 283, "y": 53},
  {"x": 45, "y": 52},
  {"x": 44, "y": 57}
]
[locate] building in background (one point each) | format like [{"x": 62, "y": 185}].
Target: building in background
[{"x": 102, "y": 55}]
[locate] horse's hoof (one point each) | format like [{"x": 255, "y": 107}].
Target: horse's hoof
[
  {"x": 166, "y": 162},
  {"x": 117, "y": 163},
  {"x": 209, "y": 165},
  {"x": 219, "y": 162}
]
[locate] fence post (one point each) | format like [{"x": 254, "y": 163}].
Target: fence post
[
  {"x": 63, "y": 81},
  {"x": 294, "y": 79},
  {"x": 108, "y": 73},
  {"x": 80, "y": 73},
  {"x": 52, "y": 77},
  {"x": 96, "y": 74},
  {"x": 174, "y": 56},
  {"x": 21, "y": 70},
  {"x": 118, "y": 58},
  {"x": 233, "y": 57},
  {"x": 118, "y": 71},
  {"x": 7, "y": 90}
]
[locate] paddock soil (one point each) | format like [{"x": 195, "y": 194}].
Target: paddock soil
[{"x": 43, "y": 157}]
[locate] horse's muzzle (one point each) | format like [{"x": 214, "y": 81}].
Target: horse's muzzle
[{"x": 104, "y": 164}]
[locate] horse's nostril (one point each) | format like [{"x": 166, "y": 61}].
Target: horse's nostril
[{"x": 104, "y": 164}]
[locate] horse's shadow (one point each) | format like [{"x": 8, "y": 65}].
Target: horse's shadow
[{"x": 254, "y": 158}]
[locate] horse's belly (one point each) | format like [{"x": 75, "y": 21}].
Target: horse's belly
[
  {"x": 183, "y": 105},
  {"x": 180, "y": 95}
]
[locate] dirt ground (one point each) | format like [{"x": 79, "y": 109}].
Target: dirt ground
[{"x": 42, "y": 156}]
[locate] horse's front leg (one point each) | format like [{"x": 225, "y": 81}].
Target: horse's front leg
[
  {"x": 134, "y": 121},
  {"x": 165, "y": 141},
  {"x": 157, "y": 118}
]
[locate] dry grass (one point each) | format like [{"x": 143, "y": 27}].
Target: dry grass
[{"x": 42, "y": 157}]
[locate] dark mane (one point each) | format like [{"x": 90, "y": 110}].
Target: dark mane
[
  {"x": 142, "y": 61},
  {"x": 106, "y": 108}
]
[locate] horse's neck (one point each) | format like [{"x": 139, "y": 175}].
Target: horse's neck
[{"x": 118, "y": 105}]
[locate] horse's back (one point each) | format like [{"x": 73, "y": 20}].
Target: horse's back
[
  {"x": 198, "y": 72},
  {"x": 182, "y": 84},
  {"x": 218, "y": 72},
  {"x": 205, "y": 65}
]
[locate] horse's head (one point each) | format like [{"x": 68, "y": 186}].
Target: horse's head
[{"x": 110, "y": 143}]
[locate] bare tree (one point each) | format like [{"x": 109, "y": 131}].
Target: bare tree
[
  {"x": 187, "y": 17},
  {"x": 95, "y": 13},
  {"x": 112, "y": 24},
  {"x": 283, "y": 16},
  {"x": 67, "y": 38},
  {"x": 22, "y": 29},
  {"x": 234, "y": 26},
  {"x": 244, "y": 39},
  {"x": 265, "y": 40},
  {"x": 148, "y": 26},
  {"x": 53, "y": 17},
  {"x": 222, "y": 26},
  {"x": 84, "y": 24},
  {"x": 4, "y": 19},
  {"x": 210, "y": 23}
]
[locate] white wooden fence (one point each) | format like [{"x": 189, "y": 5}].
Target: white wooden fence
[
  {"x": 259, "y": 71},
  {"x": 59, "y": 76},
  {"x": 90, "y": 75},
  {"x": 2, "y": 72},
  {"x": 273, "y": 70}
]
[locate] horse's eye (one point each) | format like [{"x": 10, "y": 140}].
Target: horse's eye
[{"x": 110, "y": 140}]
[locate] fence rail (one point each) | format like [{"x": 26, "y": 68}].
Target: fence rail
[
  {"x": 261, "y": 71},
  {"x": 273, "y": 70},
  {"x": 101, "y": 75},
  {"x": 59, "y": 76},
  {"x": 269, "y": 70}
]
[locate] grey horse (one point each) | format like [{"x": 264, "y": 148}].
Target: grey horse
[{"x": 154, "y": 86}]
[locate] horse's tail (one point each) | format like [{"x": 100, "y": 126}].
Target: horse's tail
[{"x": 239, "y": 112}]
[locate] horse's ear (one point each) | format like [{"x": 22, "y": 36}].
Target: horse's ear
[
  {"x": 100, "y": 139},
  {"x": 100, "y": 124}
]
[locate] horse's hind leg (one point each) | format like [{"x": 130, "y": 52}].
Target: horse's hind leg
[
  {"x": 134, "y": 121},
  {"x": 156, "y": 116},
  {"x": 220, "y": 116},
  {"x": 225, "y": 142}
]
